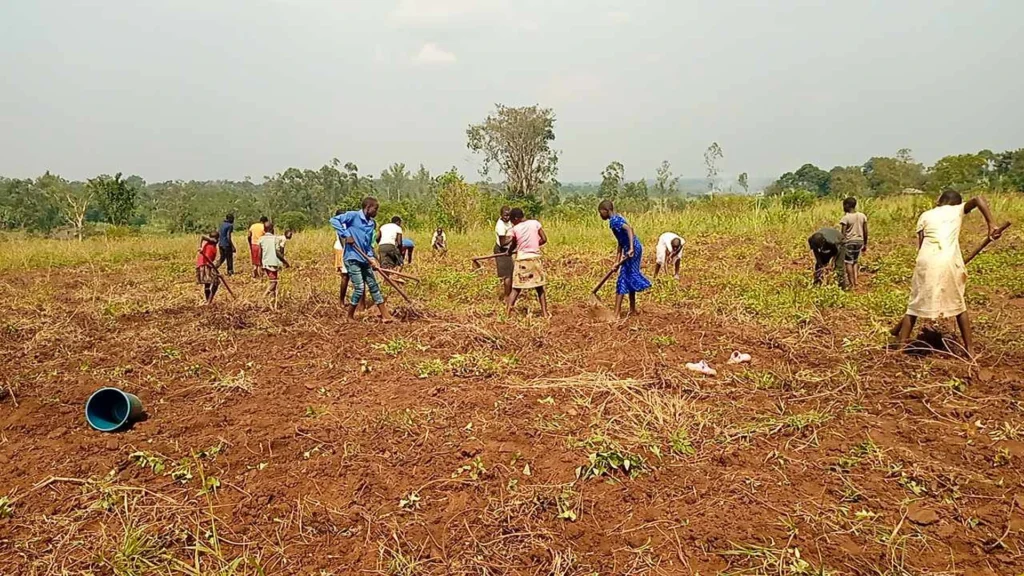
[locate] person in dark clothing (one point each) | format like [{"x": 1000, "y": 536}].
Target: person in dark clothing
[
  {"x": 225, "y": 245},
  {"x": 828, "y": 249}
]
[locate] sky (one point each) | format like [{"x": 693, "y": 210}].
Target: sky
[{"x": 212, "y": 89}]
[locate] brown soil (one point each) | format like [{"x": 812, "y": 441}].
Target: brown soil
[{"x": 335, "y": 432}]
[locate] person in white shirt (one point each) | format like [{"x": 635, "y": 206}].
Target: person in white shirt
[
  {"x": 390, "y": 243},
  {"x": 440, "y": 241},
  {"x": 669, "y": 252},
  {"x": 502, "y": 237}
]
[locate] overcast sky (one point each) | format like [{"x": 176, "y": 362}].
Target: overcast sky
[{"x": 209, "y": 89}]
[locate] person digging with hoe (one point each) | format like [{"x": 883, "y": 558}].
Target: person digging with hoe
[
  {"x": 503, "y": 263},
  {"x": 272, "y": 259},
  {"x": 940, "y": 276},
  {"x": 630, "y": 254},
  {"x": 206, "y": 270},
  {"x": 356, "y": 230},
  {"x": 527, "y": 237}
]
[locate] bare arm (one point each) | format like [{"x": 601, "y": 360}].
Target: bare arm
[
  {"x": 865, "y": 236},
  {"x": 632, "y": 239},
  {"x": 920, "y": 239},
  {"x": 543, "y": 237},
  {"x": 982, "y": 205},
  {"x": 280, "y": 256}
]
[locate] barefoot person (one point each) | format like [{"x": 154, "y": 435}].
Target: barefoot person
[
  {"x": 256, "y": 232},
  {"x": 502, "y": 236},
  {"x": 630, "y": 254},
  {"x": 827, "y": 248},
  {"x": 206, "y": 270},
  {"x": 356, "y": 230},
  {"x": 668, "y": 253},
  {"x": 272, "y": 259},
  {"x": 527, "y": 237},
  {"x": 940, "y": 277},
  {"x": 855, "y": 240}
]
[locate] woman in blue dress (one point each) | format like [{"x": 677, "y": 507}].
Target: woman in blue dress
[{"x": 630, "y": 253}]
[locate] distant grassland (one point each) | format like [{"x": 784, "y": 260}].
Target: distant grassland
[{"x": 745, "y": 259}]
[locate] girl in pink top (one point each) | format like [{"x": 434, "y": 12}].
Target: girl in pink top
[{"x": 527, "y": 238}]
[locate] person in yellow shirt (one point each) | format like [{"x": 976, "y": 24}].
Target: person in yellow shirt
[{"x": 256, "y": 231}]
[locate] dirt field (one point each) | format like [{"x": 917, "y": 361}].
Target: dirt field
[{"x": 461, "y": 442}]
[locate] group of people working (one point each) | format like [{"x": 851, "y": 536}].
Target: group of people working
[
  {"x": 937, "y": 289},
  {"x": 940, "y": 275}
]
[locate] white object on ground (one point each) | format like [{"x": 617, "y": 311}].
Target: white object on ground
[
  {"x": 701, "y": 367},
  {"x": 739, "y": 357}
]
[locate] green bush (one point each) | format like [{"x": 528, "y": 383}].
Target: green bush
[{"x": 297, "y": 221}]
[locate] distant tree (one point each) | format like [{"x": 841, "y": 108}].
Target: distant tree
[
  {"x": 742, "y": 179},
  {"x": 635, "y": 196},
  {"x": 961, "y": 171},
  {"x": 808, "y": 177},
  {"x": 665, "y": 183},
  {"x": 849, "y": 181},
  {"x": 612, "y": 178},
  {"x": 457, "y": 204},
  {"x": 73, "y": 201},
  {"x": 421, "y": 182},
  {"x": 116, "y": 196},
  {"x": 711, "y": 157},
  {"x": 1009, "y": 169},
  {"x": 24, "y": 206},
  {"x": 891, "y": 175},
  {"x": 518, "y": 142},
  {"x": 395, "y": 180}
]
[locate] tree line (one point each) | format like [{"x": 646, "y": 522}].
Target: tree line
[
  {"x": 516, "y": 143},
  {"x": 883, "y": 175}
]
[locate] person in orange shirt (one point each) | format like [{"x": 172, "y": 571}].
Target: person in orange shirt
[{"x": 256, "y": 231}]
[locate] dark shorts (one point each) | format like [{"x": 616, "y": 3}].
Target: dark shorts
[
  {"x": 390, "y": 257},
  {"x": 255, "y": 254},
  {"x": 271, "y": 273},
  {"x": 504, "y": 263},
  {"x": 853, "y": 248}
]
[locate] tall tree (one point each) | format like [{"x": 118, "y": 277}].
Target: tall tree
[
  {"x": 846, "y": 182},
  {"x": 744, "y": 183},
  {"x": 117, "y": 197},
  {"x": 961, "y": 171},
  {"x": 665, "y": 183},
  {"x": 517, "y": 141},
  {"x": 457, "y": 203},
  {"x": 891, "y": 175},
  {"x": 422, "y": 182},
  {"x": 711, "y": 157},
  {"x": 394, "y": 181},
  {"x": 612, "y": 178},
  {"x": 73, "y": 201}
]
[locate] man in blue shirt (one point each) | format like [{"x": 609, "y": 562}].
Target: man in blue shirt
[
  {"x": 356, "y": 230},
  {"x": 226, "y": 245}
]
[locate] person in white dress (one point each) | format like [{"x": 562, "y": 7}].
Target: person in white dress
[
  {"x": 940, "y": 277},
  {"x": 668, "y": 253}
]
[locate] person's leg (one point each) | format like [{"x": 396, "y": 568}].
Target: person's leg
[
  {"x": 963, "y": 321},
  {"x": 213, "y": 290},
  {"x": 511, "y": 301},
  {"x": 342, "y": 289},
  {"x": 906, "y": 327},
  {"x": 657, "y": 268},
  {"x": 273, "y": 294},
  {"x": 374, "y": 289},
  {"x": 231, "y": 261},
  {"x": 677, "y": 268},
  {"x": 355, "y": 276},
  {"x": 632, "y": 302},
  {"x": 542, "y": 297},
  {"x": 852, "y": 284},
  {"x": 506, "y": 284},
  {"x": 206, "y": 292},
  {"x": 618, "y": 305}
]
